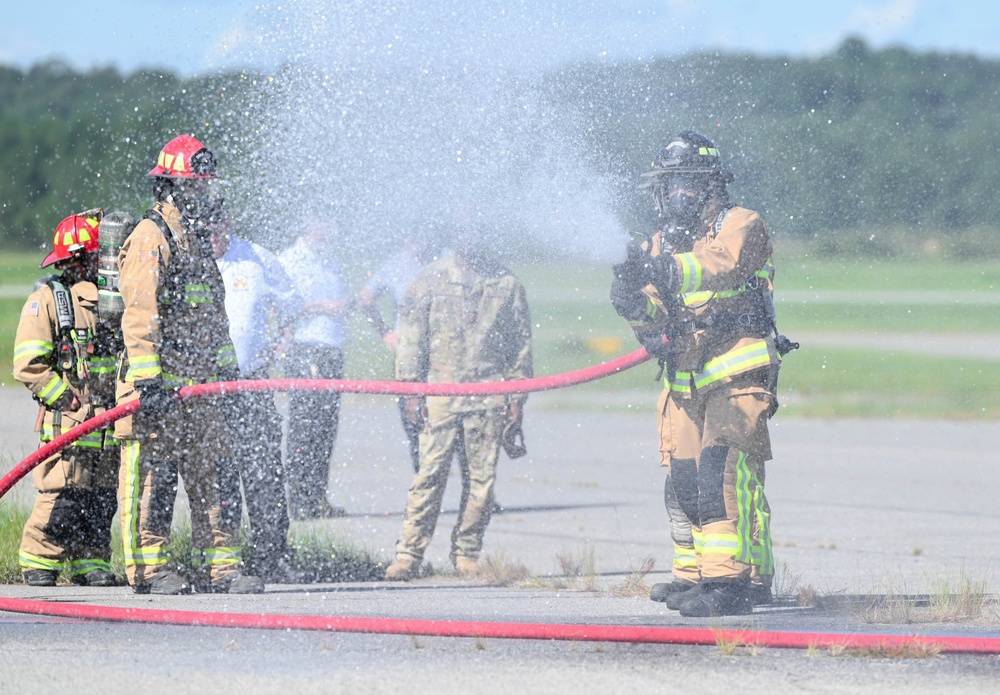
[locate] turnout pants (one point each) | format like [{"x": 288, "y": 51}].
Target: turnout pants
[
  {"x": 256, "y": 449},
  {"x": 70, "y": 522},
  {"x": 313, "y": 420},
  {"x": 475, "y": 438},
  {"x": 714, "y": 445},
  {"x": 191, "y": 442}
]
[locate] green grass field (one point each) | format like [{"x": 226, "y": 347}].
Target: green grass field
[{"x": 575, "y": 327}]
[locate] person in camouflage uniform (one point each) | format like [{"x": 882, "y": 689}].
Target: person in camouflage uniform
[{"x": 464, "y": 319}]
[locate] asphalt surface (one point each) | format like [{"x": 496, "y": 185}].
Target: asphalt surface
[{"x": 904, "y": 510}]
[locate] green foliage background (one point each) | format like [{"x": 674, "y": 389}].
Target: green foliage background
[{"x": 830, "y": 147}]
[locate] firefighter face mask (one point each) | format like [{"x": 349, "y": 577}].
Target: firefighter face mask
[
  {"x": 680, "y": 199},
  {"x": 199, "y": 199}
]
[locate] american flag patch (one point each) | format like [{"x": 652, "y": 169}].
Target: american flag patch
[
  {"x": 148, "y": 254},
  {"x": 30, "y": 309}
]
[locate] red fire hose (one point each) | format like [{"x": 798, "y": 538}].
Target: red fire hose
[
  {"x": 544, "y": 383},
  {"x": 448, "y": 628},
  {"x": 540, "y": 631}
]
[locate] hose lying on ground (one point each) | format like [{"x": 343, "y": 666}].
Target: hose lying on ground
[{"x": 451, "y": 628}]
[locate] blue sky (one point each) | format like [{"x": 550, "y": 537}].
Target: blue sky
[{"x": 191, "y": 37}]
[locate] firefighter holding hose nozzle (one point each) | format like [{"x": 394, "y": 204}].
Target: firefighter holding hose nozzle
[{"x": 698, "y": 296}]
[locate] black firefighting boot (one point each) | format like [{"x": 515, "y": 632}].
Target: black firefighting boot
[
  {"x": 40, "y": 577},
  {"x": 238, "y": 583},
  {"x": 96, "y": 578},
  {"x": 662, "y": 591},
  {"x": 675, "y": 600},
  {"x": 760, "y": 594},
  {"x": 717, "y": 599},
  {"x": 167, "y": 583}
]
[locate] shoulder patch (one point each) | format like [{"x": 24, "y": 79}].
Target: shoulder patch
[
  {"x": 149, "y": 255},
  {"x": 30, "y": 309}
]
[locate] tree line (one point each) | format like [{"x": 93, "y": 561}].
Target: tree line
[{"x": 855, "y": 140}]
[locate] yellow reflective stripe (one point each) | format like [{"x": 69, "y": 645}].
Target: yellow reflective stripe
[
  {"x": 699, "y": 298},
  {"x": 170, "y": 381},
  {"x": 92, "y": 440},
  {"x": 226, "y": 356},
  {"x": 699, "y": 540},
  {"x": 744, "y": 510},
  {"x": 143, "y": 367},
  {"x": 736, "y": 361},
  {"x": 33, "y": 562},
  {"x": 53, "y": 390},
  {"x": 130, "y": 493},
  {"x": 198, "y": 294},
  {"x": 764, "y": 549},
  {"x": 80, "y": 567},
  {"x": 691, "y": 272},
  {"x": 149, "y": 556},
  {"x": 720, "y": 544},
  {"x": 684, "y": 557},
  {"x": 102, "y": 365},
  {"x": 221, "y": 556},
  {"x": 680, "y": 384},
  {"x": 30, "y": 349},
  {"x": 708, "y": 152}
]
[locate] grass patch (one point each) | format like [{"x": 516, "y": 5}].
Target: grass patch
[
  {"x": 959, "y": 600},
  {"x": 953, "y": 599},
  {"x": 496, "y": 569},
  {"x": 635, "y": 583},
  {"x": 325, "y": 558},
  {"x": 915, "y": 649},
  {"x": 732, "y": 643},
  {"x": 21, "y": 267},
  {"x": 580, "y": 570},
  {"x": 876, "y": 319},
  {"x": 12, "y": 518},
  {"x": 865, "y": 383},
  {"x": 321, "y": 556}
]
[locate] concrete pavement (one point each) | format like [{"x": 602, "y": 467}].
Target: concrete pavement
[{"x": 891, "y": 508}]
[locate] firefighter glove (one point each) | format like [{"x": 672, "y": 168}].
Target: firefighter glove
[
  {"x": 664, "y": 274},
  {"x": 628, "y": 299},
  {"x": 154, "y": 403},
  {"x": 656, "y": 343},
  {"x": 154, "y": 400}
]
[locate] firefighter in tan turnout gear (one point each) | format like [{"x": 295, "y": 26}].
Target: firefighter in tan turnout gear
[
  {"x": 67, "y": 360},
  {"x": 463, "y": 319},
  {"x": 698, "y": 296},
  {"x": 176, "y": 334}
]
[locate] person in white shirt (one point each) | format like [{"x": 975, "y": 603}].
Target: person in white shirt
[
  {"x": 260, "y": 303},
  {"x": 393, "y": 278},
  {"x": 316, "y": 351}
]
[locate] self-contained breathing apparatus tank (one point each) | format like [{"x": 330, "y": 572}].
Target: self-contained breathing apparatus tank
[{"x": 114, "y": 230}]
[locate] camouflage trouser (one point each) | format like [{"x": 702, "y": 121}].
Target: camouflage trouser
[
  {"x": 475, "y": 438},
  {"x": 714, "y": 446}
]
